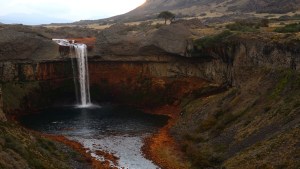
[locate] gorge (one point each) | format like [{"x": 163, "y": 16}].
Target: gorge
[{"x": 232, "y": 101}]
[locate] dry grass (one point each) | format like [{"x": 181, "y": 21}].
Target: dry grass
[
  {"x": 283, "y": 148},
  {"x": 273, "y": 16},
  {"x": 206, "y": 31},
  {"x": 97, "y": 26}
]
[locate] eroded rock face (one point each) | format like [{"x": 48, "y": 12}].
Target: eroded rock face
[
  {"x": 142, "y": 83},
  {"x": 173, "y": 39},
  {"x": 118, "y": 40},
  {"x": 30, "y": 86},
  {"x": 27, "y": 87},
  {"x": 236, "y": 59}
]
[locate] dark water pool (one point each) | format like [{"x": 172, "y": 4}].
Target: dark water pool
[{"x": 115, "y": 129}]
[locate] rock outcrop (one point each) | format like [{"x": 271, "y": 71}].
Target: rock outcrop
[
  {"x": 119, "y": 40},
  {"x": 20, "y": 45}
]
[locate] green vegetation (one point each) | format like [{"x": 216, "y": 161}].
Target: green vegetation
[
  {"x": 166, "y": 15},
  {"x": 248, "y": 25},
  {"x": 229, "y": 124},
  {"x": 14, "y": 93},
  {"x": 22, "y": 149},
  {"x": 282, "y": 83},
  {"x": 287, "y": 17},
  {"x": 277, "y": 8},
  {"x": 290, "y": 28},
  {"x": 26, "y": 95},
  {"x": 209, "y": 41}
]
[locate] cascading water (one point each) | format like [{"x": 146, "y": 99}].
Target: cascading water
[
  {"x": 82, "y": 63},
  {"x": 82, "y": 74}
]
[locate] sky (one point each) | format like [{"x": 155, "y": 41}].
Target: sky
[{"x": 33, "y": 12}]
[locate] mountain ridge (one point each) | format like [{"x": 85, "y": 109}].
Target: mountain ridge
[{"x": 196, "y": 8}]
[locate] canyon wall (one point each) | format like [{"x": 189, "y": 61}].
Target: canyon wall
[
  {"x": 29, "y": 86},
  {"x": 159, "y": 79},
  {"x": 247, "y": 125}
]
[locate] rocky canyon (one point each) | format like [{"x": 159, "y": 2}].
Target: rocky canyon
[{"x": 233, "y": 103}]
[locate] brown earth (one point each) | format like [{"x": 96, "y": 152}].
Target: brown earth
[{"x": 161, "y": 147}]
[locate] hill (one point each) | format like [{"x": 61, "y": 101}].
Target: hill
[{"x": 205, "y": 8}]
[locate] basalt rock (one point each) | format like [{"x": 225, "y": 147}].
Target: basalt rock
[{"x": 233, "y": 60}]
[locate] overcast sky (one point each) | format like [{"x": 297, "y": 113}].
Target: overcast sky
[{"x": 49, "y": 11}]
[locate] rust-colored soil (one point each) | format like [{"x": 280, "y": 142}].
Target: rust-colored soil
[
  {"x": 161, "y": 148},
  {"x": 109, "y": 156},
  {"x": 88, "y": 41}
]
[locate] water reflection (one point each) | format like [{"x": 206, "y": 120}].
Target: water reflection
[{"x": 116, "y": 129}]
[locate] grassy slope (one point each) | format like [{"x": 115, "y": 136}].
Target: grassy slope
[
  {"x": 255, "y": 125},
  {"x": 20, "y": 148}
]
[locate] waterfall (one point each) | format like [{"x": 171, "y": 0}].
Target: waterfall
[
  {"x": 82, "y": 73},
  {"x": 75, "y": 79}
]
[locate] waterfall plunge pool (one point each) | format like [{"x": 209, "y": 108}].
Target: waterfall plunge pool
[{"x": 119, "y": 130}]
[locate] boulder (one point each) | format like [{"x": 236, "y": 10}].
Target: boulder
[
  {"x": 172, "y": 39},
  {"x": 120, "y": 40}
]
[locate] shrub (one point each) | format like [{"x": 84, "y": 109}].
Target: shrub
[
  {"x": 248, "y": 25},
  {"x": 198, "y": 157},
  {"x": 290, "y": 28},
  {"x": 158, "y": 25},
  {"x": 167, "y": 15},
  {"x": 277, "y": 9},
  {"x": 287, "y": 17},
  {"x": 207, "y": 123},
  {"x": 239, "y": 27},
  {"x": 211, "y": 40}
]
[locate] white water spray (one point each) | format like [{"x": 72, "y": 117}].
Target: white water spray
[{"x": 82, "y": 73}]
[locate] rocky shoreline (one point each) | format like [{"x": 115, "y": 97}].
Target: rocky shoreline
[
  {"x": 96, "y": 164},
  {"x": 161, "y": 147}
]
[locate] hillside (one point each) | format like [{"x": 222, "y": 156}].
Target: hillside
[{"x": 204, "y": 8}]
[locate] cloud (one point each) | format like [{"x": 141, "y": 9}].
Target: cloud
[{"x": 73, "y": 10}]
